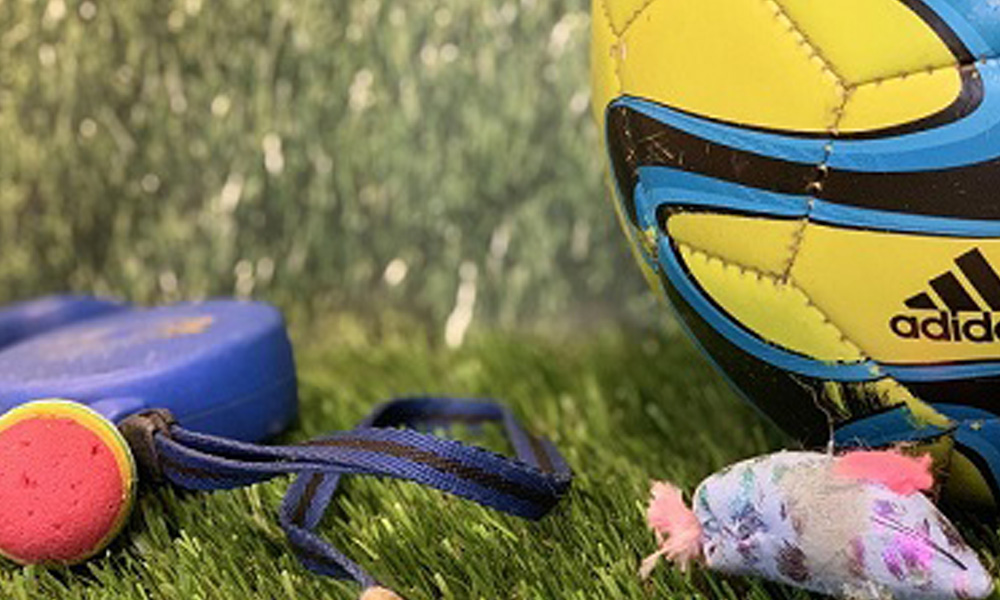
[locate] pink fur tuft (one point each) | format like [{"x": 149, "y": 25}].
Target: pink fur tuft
[
  {"x": 900, "y": 473},
  {"x": 678, "y": 531}
]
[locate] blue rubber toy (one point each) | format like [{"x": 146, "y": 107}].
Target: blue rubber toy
[
  {"x": 26, "y": 319},
  {"x": 221, "y": 367}
]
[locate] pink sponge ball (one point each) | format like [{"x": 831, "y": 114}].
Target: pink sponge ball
[{"x": 67, "y": 482}]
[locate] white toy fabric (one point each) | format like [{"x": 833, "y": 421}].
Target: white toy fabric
[{"x": 852, "y": 526}]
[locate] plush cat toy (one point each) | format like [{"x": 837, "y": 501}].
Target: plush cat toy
[{"x": 855, "y": 525}]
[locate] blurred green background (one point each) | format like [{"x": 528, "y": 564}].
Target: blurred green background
[{"x": 429, "y": 160}]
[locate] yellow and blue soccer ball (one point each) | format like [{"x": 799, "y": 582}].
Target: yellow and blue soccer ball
[{"x": 815, "y": 187}]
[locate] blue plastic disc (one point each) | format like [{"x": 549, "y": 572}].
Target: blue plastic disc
[
  {"x": 26, "y": 319},
  {"x": 221, "y": 367}
]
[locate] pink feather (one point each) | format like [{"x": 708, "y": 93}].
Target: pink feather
[
  {"x": 900, "y": 473},
  {"x": 678, "y": 531}
]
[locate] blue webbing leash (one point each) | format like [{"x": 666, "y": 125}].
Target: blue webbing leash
[{"x": 385, "y": 444}]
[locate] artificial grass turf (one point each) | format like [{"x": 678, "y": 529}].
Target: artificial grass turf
[{"x": 622, "y": 408}]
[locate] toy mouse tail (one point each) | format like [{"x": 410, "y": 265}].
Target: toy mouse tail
[{"x": 677, "y": 528}]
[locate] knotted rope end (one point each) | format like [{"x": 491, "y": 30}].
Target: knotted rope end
[{"x": 140, "y": 431}]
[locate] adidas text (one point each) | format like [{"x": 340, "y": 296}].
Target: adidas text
[{"x": 945, "y": 327}]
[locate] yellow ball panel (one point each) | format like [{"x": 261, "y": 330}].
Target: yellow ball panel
[
  {"x": 604, "y": 49},
  {"x": 774, "y": 310},
  {"x": 861, "y": 280},
  {"x": 737, "y": 61},
  {"x": 900, "y": 100},
  {"x": 761, "y": 244},
  {"x": 864, "y": 40},
  {"x": 621, "y": 13}
]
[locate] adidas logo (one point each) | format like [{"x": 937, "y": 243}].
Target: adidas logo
[{"x": 963, "y": 314}]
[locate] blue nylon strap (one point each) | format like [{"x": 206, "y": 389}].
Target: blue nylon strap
[{"x": 528, "y": 486}]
